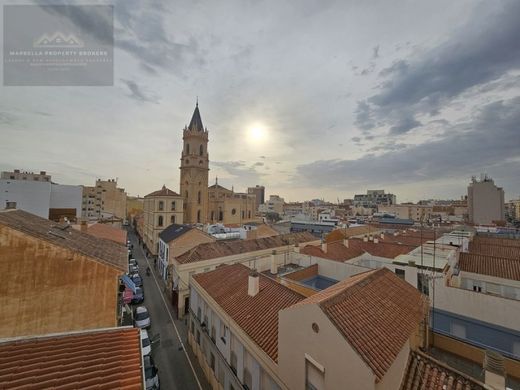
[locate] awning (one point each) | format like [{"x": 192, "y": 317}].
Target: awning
[{"x": 128, "y": 283}]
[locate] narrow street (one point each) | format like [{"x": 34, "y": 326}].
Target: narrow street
[{"x": 178, "y": 367}]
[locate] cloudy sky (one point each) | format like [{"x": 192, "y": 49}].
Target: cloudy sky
[{"x": 311, "y": 98}]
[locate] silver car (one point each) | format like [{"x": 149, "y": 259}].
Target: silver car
[{"x": 141, "y": 318}]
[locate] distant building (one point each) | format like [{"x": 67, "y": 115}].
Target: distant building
[
  {"x": 38, "y": 195},
  {"x": 259, "y": 192},
  {"x": 485, "y": 201},
  {"x": 374, "y": 198},
  {"x": 58, "y": 279},
  {"x": 161, "y": 209},
  {"x": 275, "y": 204},
  {"x": 413, "y": 212},
  {"x": 134, "y": 206},
  {"x": 104, "y": 201},
  {"x": 230, "y": 207}
]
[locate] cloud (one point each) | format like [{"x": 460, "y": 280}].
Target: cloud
[
  {"x": 242, "y": 173},
  {"x": 482, "y": 51},
  {"x": 375, "y": 52},
  {"x": 489, "y": 142},
  {"x": 136, "y": 92}
]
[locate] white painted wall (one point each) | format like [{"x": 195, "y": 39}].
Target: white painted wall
[
  {"x": 31, "y": 196},
  {"x": 66, "y": 197}
]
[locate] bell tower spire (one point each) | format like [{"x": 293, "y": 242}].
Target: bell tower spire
[{"x": 195, "y": 170}]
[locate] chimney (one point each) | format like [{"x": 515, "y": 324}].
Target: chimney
[
  {"x": 370, "y": 238},
  {"x": 494, "y": 373},
  {"x": 253, "y": 284},
  {"x": 396, "y": 234},
  {"x": 10, "y": 205},
  {"x": 274, "y": 265},
  {"x": 345, "y": 242},
  {"x": 324, "y": 246},
  {"x": 297, "y": 248},
  {"x": 376, "y": 240},
  {"x": 382, "y": 236},
  {"x": 43, "y": 173},
  {"x": 83, "y": 226},
  {"x": 365, "y": 239}
]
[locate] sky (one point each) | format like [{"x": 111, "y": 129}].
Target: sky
[{"x": 310, "y": 98}]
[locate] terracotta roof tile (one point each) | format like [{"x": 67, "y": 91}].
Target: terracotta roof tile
[
  {"x": 424, "y": 372},
  {"x": 493, "y": 249},
  {"x": 102, "y": 230},
  {"x": 497, "y": 241},
  {"x": 105, "y": 251},
  {"x": 162, "y": 192},
  {"x": 499, "y": 267},
  {"x": 376, "y": 312},
  {"x": 213, "y": 250},
  {"x": 258, "y": 315},
  {"x": 101, "y": 359}
]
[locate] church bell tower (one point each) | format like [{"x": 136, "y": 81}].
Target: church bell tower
[{"x": 194, "y": 170}]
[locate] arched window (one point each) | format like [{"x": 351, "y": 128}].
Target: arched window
[
  {"x": 201, "y": 150},
  {"x": 220, "y": 215},
  {"x": 173, "y": 206},
  {"x": 199, "y": 197},
  {"x": 243, "y": 214},
  {"x": 160, "y": 220},
  {"x": 187, "y": 148},
  {"x": 198, "y": 216},
  {"x": 249, "y": 214},
  {"x": 172, "y": 219},
  {"x": 212, "y": 215},
  {"x": 161, "y": 205},
  {"x": 233, "y": 211}
]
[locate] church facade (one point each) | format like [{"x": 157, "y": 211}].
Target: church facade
[{"x": 203, "y": 204}]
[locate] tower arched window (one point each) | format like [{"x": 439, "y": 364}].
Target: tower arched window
[
  {"x": 201, "y": 150},
  {"x": 199, "y": 197},
  {"x": 187, "y": 148},
  {"x": 186, "y": 194},
  {"x": 198, "y": 216},
  {"x": 160, "y": 220}
]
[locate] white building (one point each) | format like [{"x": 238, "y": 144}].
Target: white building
[{"x": 42, "y": 198}]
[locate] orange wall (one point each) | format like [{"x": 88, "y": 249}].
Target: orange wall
[{"x": 46, "y": 288}]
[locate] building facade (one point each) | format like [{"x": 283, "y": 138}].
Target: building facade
[
  {"x": 275, "y": 204},
  {"x": 259, "y": 192},
  {"x": 161, "y": 209},
  {"x": 485, "y": 201},
  {"x": 229, "y": 207},
  {"x": 22, "y": 175},
  {"x": 373, "y": 198},
  {"x": 104, "y": 201}
]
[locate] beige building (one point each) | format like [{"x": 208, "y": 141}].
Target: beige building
[
  {"x": 275, "y": 204},
  {"x": 259, "y": 192},
  {"x": 134, "y": 206},
  {"x": 22, "y": 175},
  {"x": 58, "y": 279},
  {"x": 104, "y": 201},
  {"x": 161, "y": 209},
  {"x": 415, "y": 212},
  {"x": 364, "y": 332},
  {"x": 485, "y": 202},
  {"x": 229, "y": 207}
]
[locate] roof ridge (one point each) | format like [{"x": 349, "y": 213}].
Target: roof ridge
[{"x": 349, "y": 290}]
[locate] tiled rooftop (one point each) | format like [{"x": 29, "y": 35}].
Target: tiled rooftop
[
  {"x": 499, "y": 267},
  {"x": 218, "y": 249},
  {"x": 497, "y": 241},
  {"x": 104, "y": 359},
  {"x": 493, "y": 249},
  {"x": 258, "y": 315},
  {"x": 105, "y": 251},
  {"x": 102, "y": 230},
  {"x": 425, "y": 372},
  {"x": 376, "y": 312},
  {"x": 162, "y": 192}
]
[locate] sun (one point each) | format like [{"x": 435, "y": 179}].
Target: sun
[{"x": 256, "y": 133}]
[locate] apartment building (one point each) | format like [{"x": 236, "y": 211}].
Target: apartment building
[
  {"x": 17, "y": 174},
  {"x": 374, "y": 198},
  {"x": 104, "y": 201},
  {"x": 259, "y": 192},
  {"x": 249, "y": 331},
  {"x": 485, "y": 201},
  {"x": 275, "y": 204},
  {"x": 161, "y": 209}
]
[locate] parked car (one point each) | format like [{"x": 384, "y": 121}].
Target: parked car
[
  {"x": 136, "y": 278},
  {"x": 146, "y": 345},
  {"x": 142, "y": 317},
  {"x": 128, "y": 295},
  {"x": 151, "y": 374},
  {"x": 133, "y": 262},
  {"x": 133, "y": 269},
  {"x": 138, "y": 295}
]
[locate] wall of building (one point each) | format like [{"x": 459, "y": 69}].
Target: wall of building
[
  {"x": 485, "y": 202},
  {"x": 152, "y": 212},
  {"x": 66, "y": 197},
  {"x": 48, "y": 289},
  {"x": 30, "y": 196},
  {"x": 296, "y": 340}
]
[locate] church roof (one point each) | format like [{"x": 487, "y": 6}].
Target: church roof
[
  {"x": 196, "y": 121},
  {"x": 162, "y": 192}
]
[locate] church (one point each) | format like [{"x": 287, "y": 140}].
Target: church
[{"x": 203, "y": 204}]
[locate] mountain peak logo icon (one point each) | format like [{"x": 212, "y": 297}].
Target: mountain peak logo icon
[{"x": 58, "y": 40}]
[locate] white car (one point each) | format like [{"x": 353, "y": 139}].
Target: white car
[
  {"x": 142, "y": 318},
  {"x": 146, "y": 345}
]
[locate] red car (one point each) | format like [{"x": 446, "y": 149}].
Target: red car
[{"x": 127, "y": 296}]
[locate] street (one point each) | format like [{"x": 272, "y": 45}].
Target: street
[{"x": 178, "y": 367}]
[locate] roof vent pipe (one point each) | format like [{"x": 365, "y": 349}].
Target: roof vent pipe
[
  {"x": 274, "y": 265},
  {"x": 253, "y": 283}
]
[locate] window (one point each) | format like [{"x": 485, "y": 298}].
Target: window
[
  {"x": 314, "y": 376},
  {"x": 249, "y": 214},
  {"x": 212, "y": 361},
  {"x": 233, "y": 362},
  {"x": 186, "y": 195},
  {"x": 198, "y": 336},
  {"x": 201, "y": 150},
  {"x": 233, "y": 211},
  {"x": 161, "y": 205},
  {"x": 223, "y": 332},
  {"x": 199, "y": 313},
  {"x": 173, "y": 206},
  {"x": 212, "y": 215},
  {"x": 187, "y": 161},
  {"x": 198, "y": 216},
  {"x": 220, "y": 215},
  {"x": 400, "y": 273},
  {"x": 213, "y": 333},
  {"x": 243, "y": 214},
  {"x": 160, "y": 220},
  {"x": 187, "y": 148},
  {"x": 422, "y": 283},
  {"x": 199, "y": 197},
  {"x": 172, "y": 219}
]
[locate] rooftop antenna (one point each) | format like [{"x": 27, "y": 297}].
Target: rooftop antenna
[{"x": 197, "y": 104}]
